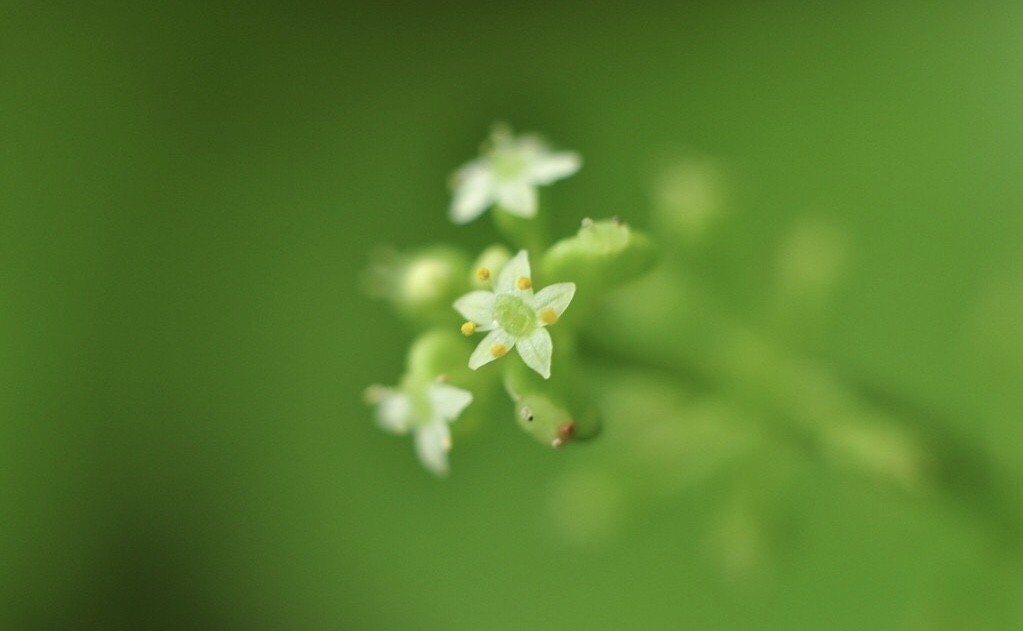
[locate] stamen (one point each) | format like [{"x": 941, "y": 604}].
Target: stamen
[
  {"x": 549, "y": 315},
  {"x": 523, "y": 282},
  {"x": 483, "y": 274},
  {"x": 373, "y": 394},
  {"x": 498, "y": 350},
  {"x": 468, "y": 328}
]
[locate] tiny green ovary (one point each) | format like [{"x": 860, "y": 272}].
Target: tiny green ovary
[{"x": 514, "y": 315}]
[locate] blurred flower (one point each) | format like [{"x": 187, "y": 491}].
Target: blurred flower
[
  {"x": 508, "y": 173},
  {"x": 425, "y": 409},
  {"x": 514, "y": 316}
]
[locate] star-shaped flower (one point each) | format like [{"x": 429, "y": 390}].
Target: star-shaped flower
[
  {"x": 514, "y": 316},
  {"x": 425, "y": 409},
  {"x": 508, "y": 173}
]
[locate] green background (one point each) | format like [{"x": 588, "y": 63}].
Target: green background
[{"x": 188, "y": 192}]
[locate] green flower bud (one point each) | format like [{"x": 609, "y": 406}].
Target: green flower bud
[
  {"x": 553, "y": 411},
  {"x": 441, "y": 352},
  {"x": 602, "y": 255},
  {"x": 421, "y": 286}
]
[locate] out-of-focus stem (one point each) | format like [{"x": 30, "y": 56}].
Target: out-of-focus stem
[{"x": 669, "y": 322}]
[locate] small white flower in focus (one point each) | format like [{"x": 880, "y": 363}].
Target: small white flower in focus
[
  {"x": 424, "y": 409},
  {"x": 514, "y": 316},
  {"x": 507, "y": 174}
]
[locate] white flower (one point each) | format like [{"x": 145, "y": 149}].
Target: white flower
[
  {"x": 425, "y": 409},
  {"x": 514, "y": 316},
  {"x": 507, "y": 174}
]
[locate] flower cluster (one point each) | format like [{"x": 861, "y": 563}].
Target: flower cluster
[{"x": 495, "y": 296}]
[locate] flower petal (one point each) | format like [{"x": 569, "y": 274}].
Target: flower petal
[
  {"x": 447, "y": 401},
  {"x": 478, "y": 306},
  {"x": 535, "y": 349},
  {"x": 394, "y": 411},
  {"x": 554, "y": 166},
  {"x": 474, "y": 191},
  {"x": 518, "y": 198},
  {"x": 556, "y": 296},
  {"x": 531, "y": 145},
  {"x": 432, "y": 444},
  {"x": 513, "y": 270},
  {"x": 484, "y": 353}
]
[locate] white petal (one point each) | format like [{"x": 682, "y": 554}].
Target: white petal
[
  {"x": 536, "y": 349},
  {"x": 483, "y": 355},
  {"x": 478, "y": 307},
  {"x": 531, "y": 145},
  {"x": 518, "y": 198},
  {"x": 394, "y": 411},
  {"x": 513, "y": 270},
  {"x": 474, "y": 191},
  {"x": 554, "y": 166},
  {"x": 448, "y": 401},
  {"x": 555, "y": 297},
  {"x": 432, "y": 444}
]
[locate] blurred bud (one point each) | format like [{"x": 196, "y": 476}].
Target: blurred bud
[
  {"x": 421, "y": 286},
  {"x": 687, "y": 198},
  {"x": 811, "y": 259},
  {"x": 738, "y": 541}
]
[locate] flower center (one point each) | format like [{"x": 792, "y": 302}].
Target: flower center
[
  {"x": 422, "y": 409},
  {"x": 514, "y": 315},
  {"x": 507, "y": 165}
]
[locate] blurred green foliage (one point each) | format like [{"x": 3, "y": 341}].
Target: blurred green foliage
[{"x": 188, "y": 192}]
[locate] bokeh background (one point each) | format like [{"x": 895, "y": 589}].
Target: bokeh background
[{"x": 189, "y": 190}]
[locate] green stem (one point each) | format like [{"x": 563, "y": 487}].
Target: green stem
[{"x": 530, "y": 234}]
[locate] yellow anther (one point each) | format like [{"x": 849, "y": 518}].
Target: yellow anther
[
  {"x": 523, "y": 282},
  {"x": 468, "y": 328},
  {"x": 549, "y": 315},
  {"x": 497, "y": 350},
  {"x": 483, "y": 274}
]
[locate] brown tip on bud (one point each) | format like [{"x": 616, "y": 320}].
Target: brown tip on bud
[
  {"x": 565, "y": 433},
  {"x": 617, "y": 220}
]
